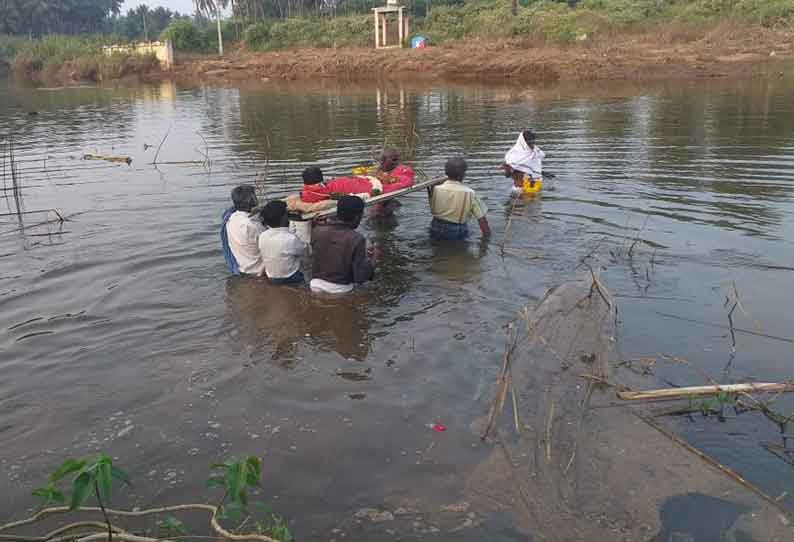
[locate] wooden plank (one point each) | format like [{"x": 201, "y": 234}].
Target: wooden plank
[
  {"x": 682, "y": 393},
  {"x": 381, "y": 198}
]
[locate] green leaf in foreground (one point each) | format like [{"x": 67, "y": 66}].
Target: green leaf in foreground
[
  {"x": 80, "y": 489},
  {"x": 216, "y": 481},
  {"x": 68, "y": 467},
  {"x": 254, "y": 471},
  {"x": 49, "y": 494},
  {"x": 104, "y": 478},
  {"x": 119, "y": 474}
]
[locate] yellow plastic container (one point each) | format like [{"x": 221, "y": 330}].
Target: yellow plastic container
[{"x": 531, "y": 186}]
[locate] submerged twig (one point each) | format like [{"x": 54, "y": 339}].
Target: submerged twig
[
  {"x": 160, "y": 146},
  {"x": 740, "y": 330},
  {"x": 504, "y": 381},
  {"x": 515, "y": 405},
  {"x": 547, "y": 437}
]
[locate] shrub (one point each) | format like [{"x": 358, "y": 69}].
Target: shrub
[
  {"x": 186, "y": 36},
  {"x": 51, "y": 53},
  {"x": 9, "y": 45},
  {"x": 444, "y": 23},
  {"x": 558, "y": 23},
  {"x": 257, "y": 36},
  {"x": 293, "y": 32},
  {"x": 471, "y": 20},
  {"x": 228, "y": 30},
  {"x": 623, "y": 12},
  {"x": 767, "y": 12},
  {"x": 353, "y": 31}
]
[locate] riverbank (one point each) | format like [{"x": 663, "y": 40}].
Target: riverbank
[
  {"x": 724, "y": 51},
  {"x": 661, "y": 51}
]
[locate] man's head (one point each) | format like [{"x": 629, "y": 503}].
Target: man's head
[
  {"x": 350, "y": 209},
  {"x": 456, "y": 168},
  {"x": 274, "y": 214},
  {"x": 312, "y": 175},
  {"x": 529, "y": 137},
  {"x": 389, "y": 159},
  {"x": 244, "y": 198}
]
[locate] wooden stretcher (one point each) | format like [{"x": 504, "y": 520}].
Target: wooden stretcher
[{"x": 424, "y": 185}]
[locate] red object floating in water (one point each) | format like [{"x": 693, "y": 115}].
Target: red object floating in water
[{"x": 439, "y": 428}]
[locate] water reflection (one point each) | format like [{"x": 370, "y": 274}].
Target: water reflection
[
  {"x": 458, "y": 262},
  {"x": 277, "y": 321}
]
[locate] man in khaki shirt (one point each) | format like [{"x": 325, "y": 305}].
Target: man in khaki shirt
[{"x": 453, "y": 204}]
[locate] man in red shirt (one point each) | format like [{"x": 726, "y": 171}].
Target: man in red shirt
[{"x": 394, "y": 175}]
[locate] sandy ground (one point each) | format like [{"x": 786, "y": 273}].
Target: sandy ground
[{"x": 724, "y": 51}]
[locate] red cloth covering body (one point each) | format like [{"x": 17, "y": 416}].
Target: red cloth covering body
[
  {"x": 312, "y": 193},
  {"x": 400, "y": 177}
]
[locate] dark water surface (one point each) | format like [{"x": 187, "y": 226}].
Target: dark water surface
[{"x": 120, "y": 329}]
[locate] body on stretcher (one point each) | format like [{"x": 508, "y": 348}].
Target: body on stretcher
[{"x": 301, "y": 222}]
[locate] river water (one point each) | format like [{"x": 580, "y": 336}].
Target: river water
[{"x": 120, "y": 329}]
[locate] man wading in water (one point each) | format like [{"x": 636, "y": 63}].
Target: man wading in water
[
  {"x": 453, "y": 204},
  {"x": 240, "y": 234},
  {"x": 524, "y": 163},
  {"x": 340, "y": 258}
]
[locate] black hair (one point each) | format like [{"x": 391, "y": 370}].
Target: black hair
[
  {"x": 349, "y": 208},
  {"x": 273, "y": 213},
  {"x": 312, "y": 175},
  {"x": 456, "y": 168},
  {"x": 244, "y": 197},
  {"x": 529, "y": 136}
]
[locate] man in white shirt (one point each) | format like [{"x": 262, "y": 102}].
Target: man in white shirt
[
  {"x": 282, "y": 251},
  {"x": 242, "y": 231}
]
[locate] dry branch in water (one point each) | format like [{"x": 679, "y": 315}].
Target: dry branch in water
[
  {"x": 504, "y": 383},
  {"x": 117, "y": 159},
  {"x": 682, "y": 393},
  {"x": 547, "y": 437},
  {"x": 160, "y": 146}
]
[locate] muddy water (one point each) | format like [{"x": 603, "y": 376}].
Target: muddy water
[{"x": 121, "y": 331}]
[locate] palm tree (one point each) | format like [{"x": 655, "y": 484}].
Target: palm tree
[{"x": 213, "y": 7}]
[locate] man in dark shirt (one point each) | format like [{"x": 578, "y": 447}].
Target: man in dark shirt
[{"x": 339, "y": 252}]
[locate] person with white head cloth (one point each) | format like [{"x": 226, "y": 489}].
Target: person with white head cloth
[{"x": 524, "y": 164}]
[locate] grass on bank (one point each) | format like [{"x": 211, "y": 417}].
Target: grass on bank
[
  {"x": 544, "y": 21},
  {"x": 72, "y": 57}
]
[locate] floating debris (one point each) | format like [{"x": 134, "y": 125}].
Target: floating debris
[
  {"x": 354, "y": 374},
  {"x": 118, "y": 159}
]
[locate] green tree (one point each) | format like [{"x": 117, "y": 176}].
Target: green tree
[
  {"x": 212, "y": 8},
  {"x": 41, "y": 17}
]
